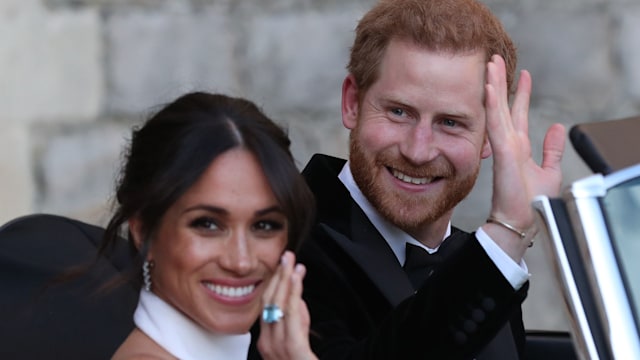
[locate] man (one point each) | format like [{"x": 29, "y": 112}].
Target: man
[{"x": 425, "y": 100}]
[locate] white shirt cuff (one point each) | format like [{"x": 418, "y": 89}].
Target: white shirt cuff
[{"x": 516, "y": 274}]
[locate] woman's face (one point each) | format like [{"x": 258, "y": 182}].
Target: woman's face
[{"x": 219, "y": 244}]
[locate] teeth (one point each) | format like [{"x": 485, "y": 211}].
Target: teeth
[
  {"x": 408, "y": 179},
  {"x": 230, "y": 291}
]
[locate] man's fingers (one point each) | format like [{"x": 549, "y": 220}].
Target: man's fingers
[
  {"x": 499, "y": 123},
  {"x": 552, "y": 150},
  {"x": 553, "y": 146},
  {"x": 497, "y": 76},
  {"x": 520, "y": 108}
]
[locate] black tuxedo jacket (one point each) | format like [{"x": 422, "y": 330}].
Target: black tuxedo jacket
[{"x": 363, "y": 305}]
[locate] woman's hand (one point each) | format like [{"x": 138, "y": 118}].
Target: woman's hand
[{"x": 287, "y": 338}]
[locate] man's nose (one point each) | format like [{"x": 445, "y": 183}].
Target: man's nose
[{"x": 420, "y": 144}]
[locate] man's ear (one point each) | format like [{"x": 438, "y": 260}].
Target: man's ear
[
  {"x": 486, "y": 148},
  {"x": 350, "y": 102}
]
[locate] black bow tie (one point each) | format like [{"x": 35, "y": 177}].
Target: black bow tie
[
  {"x": 418, "y": 257},
  {"x": 419, "y": 263}
]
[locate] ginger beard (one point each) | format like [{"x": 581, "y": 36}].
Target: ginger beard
[{"x": 407, "y": 210}]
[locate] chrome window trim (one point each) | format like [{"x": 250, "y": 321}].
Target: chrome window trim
[
  {"x": 597, "y": 185},
  {"x": 583, "y": 203},
  {"x": 586, "y": 214},
  {"x": 581, "y": 332},
  {"x": 605, "y": 280}
]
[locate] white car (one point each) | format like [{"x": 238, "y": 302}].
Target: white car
[{"x": 594, "y": 236}]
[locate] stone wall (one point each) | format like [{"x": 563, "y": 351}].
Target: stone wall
[{"x": 75, "y": 75}]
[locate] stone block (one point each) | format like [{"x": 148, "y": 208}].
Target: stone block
[
  {"x": 17, "y": 186},
  {"x": 155, "y": 55},
  {"x": 77, "y": 169},
  {"x": 298, "y": 60},
  {"x": 315, "y": 132},
  {"x": 628, "y": 32},
  {"x": 51, "y": 61},
  {"x": 549, "y": 5},
  {"x": 570, "y": 71}
]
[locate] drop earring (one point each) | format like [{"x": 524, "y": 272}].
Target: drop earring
[{"x": 146, "y": 274}]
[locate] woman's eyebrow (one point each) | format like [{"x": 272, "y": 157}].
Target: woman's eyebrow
[
  {"x": 274, "y": 208},
  {"x": 210, "y": 208}
]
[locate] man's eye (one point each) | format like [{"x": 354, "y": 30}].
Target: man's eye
[
  {"x": 205, "y": 223},
  {"x": 449, "y": 122},
  {"x": 397, "y": 112}
]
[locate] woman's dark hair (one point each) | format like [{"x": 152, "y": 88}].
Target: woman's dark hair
[{"x": 172, "y": 150}]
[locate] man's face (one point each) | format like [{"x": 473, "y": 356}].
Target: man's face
[{"x": 418, "y": 136}]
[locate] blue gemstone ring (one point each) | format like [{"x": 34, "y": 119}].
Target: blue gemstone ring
[{"x": 272, "y": 314}]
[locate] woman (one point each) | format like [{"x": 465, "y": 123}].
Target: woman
[{"x": 212, "y": 198}]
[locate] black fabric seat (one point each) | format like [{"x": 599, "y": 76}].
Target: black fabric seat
[{"x": 44, "y": 319}]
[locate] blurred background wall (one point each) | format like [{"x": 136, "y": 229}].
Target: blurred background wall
[{"x": 75, "y": 75}]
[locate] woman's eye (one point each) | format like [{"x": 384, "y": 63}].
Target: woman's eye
[
  {"x": 205, "y": 223},
  {"x": 268, "y": 225}
]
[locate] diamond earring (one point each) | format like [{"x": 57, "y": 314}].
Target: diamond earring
[{"x": 146, "y": 274}]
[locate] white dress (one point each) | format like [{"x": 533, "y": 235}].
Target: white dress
[{"x": 182, "y": 337}]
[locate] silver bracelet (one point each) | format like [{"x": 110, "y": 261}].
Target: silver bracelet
[{"x": 522, "y": 234}]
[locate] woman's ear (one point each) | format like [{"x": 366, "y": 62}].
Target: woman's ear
[{"x": 135, "y": 228}]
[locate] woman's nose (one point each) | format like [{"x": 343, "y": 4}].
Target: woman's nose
[{"x": 238, "y": 256}]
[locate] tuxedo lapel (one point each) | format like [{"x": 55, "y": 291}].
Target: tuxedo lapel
[
  {"x": 370, "y": 251},
  {"x": 349, "y": 227}
]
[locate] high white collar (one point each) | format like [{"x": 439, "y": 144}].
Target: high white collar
[{"x": 182, "y": 337}]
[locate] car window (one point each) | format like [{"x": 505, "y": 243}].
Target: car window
[{"x": 621, "y": 207}]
